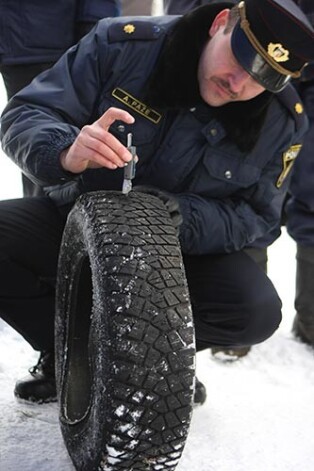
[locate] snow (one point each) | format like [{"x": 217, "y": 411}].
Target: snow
[{"x": 259, "y": 414}]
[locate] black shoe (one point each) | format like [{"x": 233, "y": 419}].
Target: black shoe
[
  {"x": 229, "y": 354},
  {"x": 199, "y": 393},
  {"x": 40, "y": 385}
]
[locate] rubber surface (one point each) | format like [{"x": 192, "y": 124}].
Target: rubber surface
[{"x": 124, "y": 335}]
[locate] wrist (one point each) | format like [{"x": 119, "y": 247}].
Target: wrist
[{"x": 63, "y": 161}]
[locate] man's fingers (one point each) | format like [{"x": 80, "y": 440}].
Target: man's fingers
[
  {"x": 106, "y": 143},
  {"x": 99, "y": 161},
  {"x": 96, "y": 147},
  {"x": 112, "y": 115},
  {"x": 117, "y": 154}
]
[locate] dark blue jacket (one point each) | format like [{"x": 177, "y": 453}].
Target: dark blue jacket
[
  {"x": 228, "y": 197},
  {"x": 35, "y": 31}
]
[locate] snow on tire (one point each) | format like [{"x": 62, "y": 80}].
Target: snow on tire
[{"x": 124, "y": 335}]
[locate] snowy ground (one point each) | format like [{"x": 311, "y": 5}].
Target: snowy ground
[{"x": 259, "y": 415}]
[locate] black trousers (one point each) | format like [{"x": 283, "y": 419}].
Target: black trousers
[
  {"x": 233, "y": 301},
  {"x": 16, "y": 77}
]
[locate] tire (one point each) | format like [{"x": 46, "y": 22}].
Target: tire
[{"x": 125, "y": 348}]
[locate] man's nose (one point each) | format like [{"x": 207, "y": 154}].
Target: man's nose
[{"x": 238, "y": 79}]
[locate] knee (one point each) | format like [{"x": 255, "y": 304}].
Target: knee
[{"x": 264, "y": 318}]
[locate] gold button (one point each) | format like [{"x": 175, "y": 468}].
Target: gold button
[{"x": 298, "y": 108}]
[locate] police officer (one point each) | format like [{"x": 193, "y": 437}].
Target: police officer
[
  {"x": 217, "y": 128},
  {"x": 299, "y": 207},
  {"x": 33, "y": 35}
]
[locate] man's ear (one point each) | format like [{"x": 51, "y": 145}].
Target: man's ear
[{"x": 220, "y": 21}]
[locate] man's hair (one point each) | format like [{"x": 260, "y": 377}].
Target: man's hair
[{"x": 232, "y": 20}]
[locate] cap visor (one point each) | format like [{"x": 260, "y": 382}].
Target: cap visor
[{"x": 254, "y": 63}]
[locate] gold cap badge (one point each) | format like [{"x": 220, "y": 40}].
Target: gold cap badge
[
  {"x": 278, "y": 52},
  {"x": 129, "y": 29}
]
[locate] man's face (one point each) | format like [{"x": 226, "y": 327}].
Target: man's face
[{"x": 221, "y": 78}]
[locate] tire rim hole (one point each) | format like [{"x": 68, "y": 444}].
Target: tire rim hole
[{"x": 77, "y": 390}]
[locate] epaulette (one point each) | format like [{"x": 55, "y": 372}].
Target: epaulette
[
  {"x": 290, "y": 98},
  {"x": 132, "y": 29}
]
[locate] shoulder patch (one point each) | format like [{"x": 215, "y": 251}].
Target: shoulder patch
[
  {"x": 288, "y": 159},
  {"x": 133, "y": 29},
  {"x": 290, "y": 98}
]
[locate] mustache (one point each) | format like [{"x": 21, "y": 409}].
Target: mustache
[{"x": 224, "y": 84}]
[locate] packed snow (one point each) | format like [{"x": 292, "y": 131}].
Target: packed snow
[{"x": 259, "y": 414}]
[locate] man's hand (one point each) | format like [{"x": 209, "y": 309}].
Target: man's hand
[
  {"x": 170, "y": 202},
  {"x": 96, "y": 147}
]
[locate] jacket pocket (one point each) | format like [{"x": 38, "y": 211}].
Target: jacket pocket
[{"x": 221, "y": 175}]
